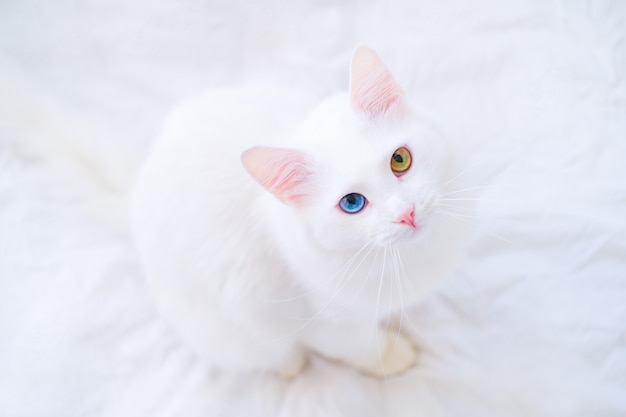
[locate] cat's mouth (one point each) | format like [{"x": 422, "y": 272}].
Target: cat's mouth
[
  {"x": 401, "y": 233},
  {"x": 410, "y": 231}
]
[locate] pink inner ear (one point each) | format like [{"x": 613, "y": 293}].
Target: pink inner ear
[
  {"x": 372, "y": 87},
  {"x": 286, "y": 173}
]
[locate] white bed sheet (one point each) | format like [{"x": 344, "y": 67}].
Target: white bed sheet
[{"x": 533, "y": 94}]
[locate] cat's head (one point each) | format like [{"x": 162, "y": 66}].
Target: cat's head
[{"x": 364, "y": 169}]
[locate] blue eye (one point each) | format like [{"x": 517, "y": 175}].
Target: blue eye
[{"x": 352, "y": 203}]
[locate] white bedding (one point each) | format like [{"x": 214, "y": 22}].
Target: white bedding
[{"x": 534, "y": 95}]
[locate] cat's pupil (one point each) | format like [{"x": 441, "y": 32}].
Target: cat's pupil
[
  {"x": 397, "y": 158},
  {"x": 352, "y": 203}
]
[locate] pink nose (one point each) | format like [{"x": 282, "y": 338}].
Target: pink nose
[{"x": 407, "y": 218}]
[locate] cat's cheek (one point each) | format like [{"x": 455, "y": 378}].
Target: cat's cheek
[{"x": 342, "y": 232}]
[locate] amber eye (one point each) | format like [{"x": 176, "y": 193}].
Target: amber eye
[{"x": 400, "y": 161}]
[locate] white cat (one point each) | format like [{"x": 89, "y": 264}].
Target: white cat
[{"x": 263, "y": 244}]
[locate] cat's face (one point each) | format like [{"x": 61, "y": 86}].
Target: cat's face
[
  {"x": 375, "y": 181},
  {"x": 366, "y": 171}
]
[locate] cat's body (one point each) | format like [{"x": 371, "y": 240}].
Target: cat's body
[{"x": 254, "y": 280}]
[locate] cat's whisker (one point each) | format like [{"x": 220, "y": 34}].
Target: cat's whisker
[
  {"x": 478, "y": 187},
  {"x": 403, "y": 278},
  {"x": 464, "y": 216},
  {"x": 368, "y": 275},
  {"x": 457, "y": 176},
  {"x": 459, "y": 210},
  {"x": 467, "y": 221},
  {"x": 345, "y": 278},
  {"x": 485, "y": 186},
  {"x": 472, "y": 199},
  {"x": 404, "y": 274},
  {"x": 396, "y": 277},
  {"x": 319, "y": 312},
  {"x": 380, "y": 286},
  {"x": 410, "y": 323},
  {"x": 373, "y": 333},
  {"x": 442, "y": 209},
  {"x": 341, "y": 284},
  {"x": 341, "y": 271},
  {"x": 456, "y": 207},
  {"x": 474, "y": 165},
  {"x": 390, "y": 283}
]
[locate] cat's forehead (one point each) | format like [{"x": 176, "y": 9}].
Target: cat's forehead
[
  {"x": 335, "y": 129},
  {"x": 351, "y": 150},
  {"x": 358, "y": 159},
  {"x": 355, "y": 153}
]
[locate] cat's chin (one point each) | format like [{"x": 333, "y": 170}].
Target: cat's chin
[{"x": 401, "y": 233}]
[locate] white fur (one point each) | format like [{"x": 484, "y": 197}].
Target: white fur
[{"x": 253, "y": 283}]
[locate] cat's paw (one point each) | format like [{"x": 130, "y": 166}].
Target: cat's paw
[
  {"x": 294, "y": 367},
  {"x": 398, "y": 356}
]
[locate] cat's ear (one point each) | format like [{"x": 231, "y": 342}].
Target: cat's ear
[
  {"x": 286, "y": 173},
  {"x": 373, "y": 89}
]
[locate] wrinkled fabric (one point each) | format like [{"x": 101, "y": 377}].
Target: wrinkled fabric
[{"x": 532, "y": 96}]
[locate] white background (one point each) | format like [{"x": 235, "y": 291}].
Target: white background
[{"x": 533, "y": 94}]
